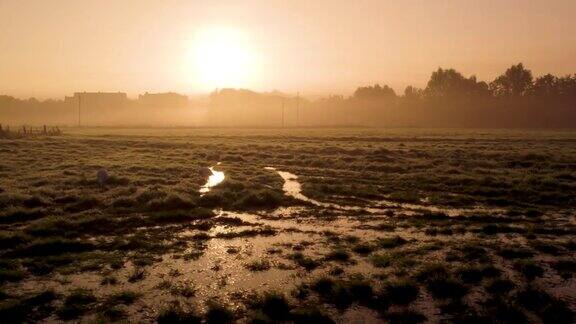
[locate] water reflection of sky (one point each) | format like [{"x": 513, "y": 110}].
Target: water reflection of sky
[
  {"x": 213, "y": 180},
  {"x": 293, "y": 188}
]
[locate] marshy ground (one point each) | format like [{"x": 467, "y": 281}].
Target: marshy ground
[{"x": 308, "y": 226}]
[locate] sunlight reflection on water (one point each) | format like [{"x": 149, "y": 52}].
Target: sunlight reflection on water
[
  {"x": 293, "y": 188},
  {"x": 213, "y": 180}
]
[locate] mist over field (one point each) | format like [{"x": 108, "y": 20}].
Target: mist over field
[
  {"x": 293, "y": 161},
  {"x": 515, "y": 99}
]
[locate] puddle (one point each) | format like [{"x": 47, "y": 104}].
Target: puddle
[
  {"x": 366, "y": 227},
  {"x": 309, "y": 225},
  {"x": 221, "y": 271},
  {"x": 451, "y": 212},
  {"x": 213, "y": 180},
  {"x": 293, "y": 188}
]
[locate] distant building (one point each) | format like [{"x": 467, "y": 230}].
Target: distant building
[
  {"x": 96, "y": 100},
  {"x": 163, "y": 100},
  {"x": 97, "y": 108}
]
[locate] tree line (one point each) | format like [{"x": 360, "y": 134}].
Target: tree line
[{"x": 513, "y": 99}]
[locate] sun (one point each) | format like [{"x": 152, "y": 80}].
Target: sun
[{"x": 223, "y": 58}]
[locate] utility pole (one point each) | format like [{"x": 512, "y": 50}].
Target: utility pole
[
  {"x": 79, "y": 109},
  {"x": 283, "y": 100},
  {"x": 297, "y": 109}
]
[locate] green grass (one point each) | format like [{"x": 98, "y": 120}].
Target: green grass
[
  {"x": 405, "y": 316},
  {"x": 56, "y": 222},
  {"x": 306, "y": 262},
  {"x": 310, "y": 315},
  {"x": 76, "y": 304},
  {"x": 498, "y": 287},
  {"x": 176, "y": 315},
  {"x": 529, "y": 269},
  {"x": 258, "y": 265},
  {"x": 19, "y": 214},
  {"x": 401, "y": 292},
  {"x": 52, "y": 246},
  {"x": 340, "y": 255},
  {"x": 274, "y": 306},
  {"x": 381, "y": 260},
  {"x": 515, "y": 253},
  {"x": 446, "y": 288},
  {"x": 218, "y": 313},
  {"x": 390, "y": 242},
  {"x": 31, "y": 308},
  {"x": 126, "y": 297}
]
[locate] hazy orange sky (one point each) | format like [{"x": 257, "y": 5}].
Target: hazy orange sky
[{"x": 49, "y": 48}]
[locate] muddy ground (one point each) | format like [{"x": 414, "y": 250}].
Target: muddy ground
[{"x": 305, "y": 226}]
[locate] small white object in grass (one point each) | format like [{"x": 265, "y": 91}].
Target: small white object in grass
[{"x": 102, "y": 176}]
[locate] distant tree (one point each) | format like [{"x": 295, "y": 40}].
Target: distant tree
[
  {"x": 449, "y": 83},
  {"x": 4, "y": 99},
  {"x": 545, "y": 86},
  {"x": 375, "y": 92},
  {"x": 567, "y": 86},
  {"x": 412, "y": 93},
  {"x": 444, "y": 83},
  {"x": 334, "y": 98},
  {"x": 515, "y": 82}
]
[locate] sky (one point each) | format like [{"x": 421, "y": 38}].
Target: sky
[{"x": 54, "y": 48}]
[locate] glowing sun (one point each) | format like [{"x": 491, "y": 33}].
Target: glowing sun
[{"x": 223, "y": 58}]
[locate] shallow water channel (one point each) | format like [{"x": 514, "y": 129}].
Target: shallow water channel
[{"x": 293, "y": 188}]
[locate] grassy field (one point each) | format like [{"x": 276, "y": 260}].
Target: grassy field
[{"x": 396, "y": 225}]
